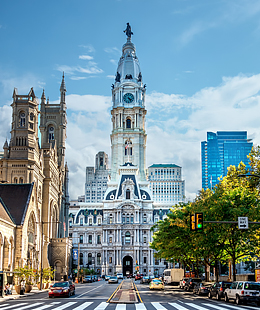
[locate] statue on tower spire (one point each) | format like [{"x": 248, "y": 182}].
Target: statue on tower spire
[{"x": 128, "y": 31}]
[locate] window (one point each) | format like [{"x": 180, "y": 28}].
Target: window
[
  {"x": 90, "y": 222},
  {"x": 70, "y": 224},
  {"x": 156, "y": 262},
  {"x": 127, "y": 219},
  {"x": 99, "y": 221},
  {"x": 132, "y": 219},
  {"x": 110, "y": 260},
  {"x": 89, "y": 258},
  {"x": 123, "y": 218},
  {"x": 144, "y": 239},
  {"x": 145, "y": 218},
  {"x": 99, "y": 259},
  {"x": 90, "y": 239},
  {"x": 128, "y": 123},
  {"x": 110, "y": 239},
  {"x": 51, "y": 133},
  {"x": 31, "y": 117},
  {"x": 127, "y": 237},
  {"x": 145, "y": 258},
  {"x": 127, "y": 194},
  {"x": 99, "y": 239},
  {"x": 21, "y": 180},
  {"x": 81, "y": 258},
  {"x": 110, "y": 219},
  {"x": 22, "y": 119},
  {"x": 81, "y": 221},
  {"x": 81, "y": 239}
]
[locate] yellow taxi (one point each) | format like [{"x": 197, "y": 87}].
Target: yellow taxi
[{"x": 156, "y": 284}]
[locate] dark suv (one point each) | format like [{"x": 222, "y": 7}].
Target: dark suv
[
  {"x": 189, "y": 285},
  {"x": 217, "y": 289}
]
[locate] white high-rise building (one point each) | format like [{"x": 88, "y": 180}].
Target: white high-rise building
[
  {"x": 113, "y": 236},
  {"x": 166, "y": 184}
]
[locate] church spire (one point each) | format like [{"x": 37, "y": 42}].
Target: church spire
[{"x": 62, "y": 90}]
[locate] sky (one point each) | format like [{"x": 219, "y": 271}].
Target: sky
[{"x": 199, "y": 60}]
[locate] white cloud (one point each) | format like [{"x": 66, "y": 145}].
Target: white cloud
[
  {"x": 85, "y": 57},
  {"x": 175, "y": 126},
  {"x": 111, "y": 77},
  {"x": 71, "y": 70},
  {"x": 77, "y": 78},
  {"x": 113, "y": 50},
  {"x": 89, "y": 48}
]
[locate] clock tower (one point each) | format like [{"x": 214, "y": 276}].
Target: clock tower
[{"x": 128, "y": 137}]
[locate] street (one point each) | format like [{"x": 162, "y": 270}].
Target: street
[{"x": 94, "y": 296}]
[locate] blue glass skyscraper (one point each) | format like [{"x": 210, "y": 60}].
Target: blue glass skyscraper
[{"x": 221, "y": 150}]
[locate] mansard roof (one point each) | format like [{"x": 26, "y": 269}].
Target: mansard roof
[
  {"x": 16, "y": 198},
  {"x": 164, "y": 166}
]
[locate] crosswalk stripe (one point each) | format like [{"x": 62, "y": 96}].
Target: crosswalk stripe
[
  {"x": 177, "y": 306},
  {"x": 140, "y": 307},
  {"x": 43, "y": 307},
  {"x": 83, "y": 306},
  {"x": 27, "y": 306},
  {"x": 9, "y": 307},
  {"x": 4, "y": 305},
  {"x": 66, "y": 305},
  {"x": 121, "y": 307},
  {"x": 217, "y": 307},
  {"x": 236, "y": 307},
  {"x": 102, "y": 306},
  {"x": 158, "y": 306},
  {"x": 196, "y": 306}
]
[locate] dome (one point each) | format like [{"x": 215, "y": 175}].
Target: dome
[{"x": 128, "y": 69}]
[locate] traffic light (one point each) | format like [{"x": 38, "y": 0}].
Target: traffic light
[
  {"x": 192, "y": 222},
  {"x": 198, "y": 221}
]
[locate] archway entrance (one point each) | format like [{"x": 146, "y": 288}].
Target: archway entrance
[{"x": 127, "y": 265}]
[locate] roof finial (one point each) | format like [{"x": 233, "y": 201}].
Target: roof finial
[
  {"x": 128, "y": 31},
  {"x": 63, "y": 86}
]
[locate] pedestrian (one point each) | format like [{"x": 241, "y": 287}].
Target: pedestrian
[{"x": 7, "y": 289}]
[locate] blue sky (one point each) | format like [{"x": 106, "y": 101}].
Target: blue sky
[{"x": 199, "y": 59}]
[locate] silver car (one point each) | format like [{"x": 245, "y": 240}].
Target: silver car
[{"x": 113, "y": 279}]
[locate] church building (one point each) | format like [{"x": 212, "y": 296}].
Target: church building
[{"x": 34, "y": 200}]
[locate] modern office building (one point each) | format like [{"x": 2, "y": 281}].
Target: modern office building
[
  {"x": 166, "y": 184},
  {"x": 96, "y": 179},
  {"x": 221, "y": 150}
]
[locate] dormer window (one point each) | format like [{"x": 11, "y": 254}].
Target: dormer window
[{"x": 127, "y": 194}]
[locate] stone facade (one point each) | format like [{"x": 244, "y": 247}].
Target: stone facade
[
  {"x": 43, "y": 167},
  {"x": 113, "y": 236}
]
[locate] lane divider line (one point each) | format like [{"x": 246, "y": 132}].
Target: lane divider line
[
  {"x": 137, "y": 292},
  {"x": 119, "y": 286}
]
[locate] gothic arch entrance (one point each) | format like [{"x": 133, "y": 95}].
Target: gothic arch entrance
[{"x": 127, "y": 265}]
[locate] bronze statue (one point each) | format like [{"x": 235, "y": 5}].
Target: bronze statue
[{"x": 128, "y": 31}]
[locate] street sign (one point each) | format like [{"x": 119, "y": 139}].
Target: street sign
[
  {"x": 75, "y": 254},
  {"x": 242, "y": 222}
]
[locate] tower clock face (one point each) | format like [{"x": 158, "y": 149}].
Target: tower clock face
[{"x": 128, "y": 98}]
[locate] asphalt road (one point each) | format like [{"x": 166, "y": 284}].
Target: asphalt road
[{"x": 94, "y": 296}]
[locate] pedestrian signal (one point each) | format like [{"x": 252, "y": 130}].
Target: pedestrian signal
[{"x": 199, "y": 221}]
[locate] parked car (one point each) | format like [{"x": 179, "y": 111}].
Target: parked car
[
  {"x": 189, "y": 285},
  {"x": 202, "y": 288},
  {"x": 107, "y": 277},
  {"x": 183, "y": 282},
  {"x": 120, "y": 276},
  {"x": 218, "y": 289},
  {"x": 156, "y": 284},
  {"x": 87, "y": 279},
  {"x": 113, "y": 279},
  {"x": 58, "y": 289},
  {"x": 243, "y": 291}
]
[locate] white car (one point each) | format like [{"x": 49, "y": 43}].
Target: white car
[
  {"x": 243, "y": 291},
  {"x": 120, "y": 276}
]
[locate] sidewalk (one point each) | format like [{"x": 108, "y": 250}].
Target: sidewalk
[
  {"x": 126, "y": 293},
  {"x": 14, "y": 295}
]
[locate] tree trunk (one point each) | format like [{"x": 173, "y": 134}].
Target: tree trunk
[
  {"x": 234, "y": 267},
  {"x": 217, "y": 270},
  {"x": 206, "y": 272}
]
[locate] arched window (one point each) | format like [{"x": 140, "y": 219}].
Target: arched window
[
  {"x": 89, "y": 258},
  {"x": 21, "y": 180},
  {"x": 127, "y": 237},
  {"x": 123, "y": 218},
  {"x": 15, "y": 180},
  {"x": 99, "y": 259},
  {"x": 22, "y": 119},
  {"x": 127, "y": 194},
  {"x": 128, "y": 123},
  {"x": 81, "y": 258},
  {"x": 51, "y": 133},
  {"x": 145, "y": 218}
]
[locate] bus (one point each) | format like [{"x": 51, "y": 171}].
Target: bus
[{"x": 173, "y": 276}]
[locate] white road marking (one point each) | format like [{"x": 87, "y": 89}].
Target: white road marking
[
  {"x": 66, "y": 305},
  {"x": 218, "y": 307},
  {"x": 83, "y": 306},
  {"x": 177, "y": 306},
  {"x": 102, "y": 306},
  {"x": 6, "y": 306},
  {"x": 196, "y": 306},
  {"x": 158, "y": 306},
  {"x": 25, "y": 307},
  {"x": 140, "y": 307},
  {"x": 89, "y": 291},
  {"x": 121, "y": 307},
  {"x": 43, "y": 307}
]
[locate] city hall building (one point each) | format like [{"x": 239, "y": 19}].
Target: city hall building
[{"x": 113, "y": 235}]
